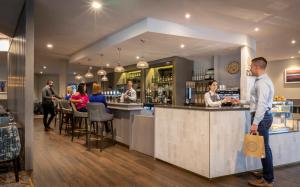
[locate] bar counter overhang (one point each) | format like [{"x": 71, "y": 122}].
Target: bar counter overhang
[{"x": 209, "y": 141}]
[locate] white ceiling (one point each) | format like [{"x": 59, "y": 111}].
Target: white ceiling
[
  {"x": 71, "y": 26},
  {"x": 9, "y": 14},
  {"x": 157, "y": 46}
]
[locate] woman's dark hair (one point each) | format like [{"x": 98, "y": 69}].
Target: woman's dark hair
[
  {"x": 211, "y": 82},
  {"x": 80, "y": 88}
]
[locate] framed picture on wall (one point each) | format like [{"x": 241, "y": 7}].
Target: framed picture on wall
[
  {"x": 3, "y": 86},
  {"x": 292, "y": 75}
]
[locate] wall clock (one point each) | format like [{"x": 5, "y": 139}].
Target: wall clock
[{"x": 233, "y": 67}]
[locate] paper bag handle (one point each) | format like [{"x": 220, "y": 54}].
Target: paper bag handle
[{"x": 257, "y": 134}]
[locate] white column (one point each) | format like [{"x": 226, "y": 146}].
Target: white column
[{"x": 247, "y": 54}]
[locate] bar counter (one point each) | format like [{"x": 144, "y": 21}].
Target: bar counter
[
  {"x": 125, "y": 106},
  {"x": 209, "y": 141},
  {"x": 123, "y": 119},
  {"x": 224, "y": 108}
]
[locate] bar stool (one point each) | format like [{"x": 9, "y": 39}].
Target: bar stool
[
  {"x": 79, "y": 116},
  {"x": 98, "y": 116},
  {"x": 57, "y": 111},
  {"x": 66, "y": 116}
]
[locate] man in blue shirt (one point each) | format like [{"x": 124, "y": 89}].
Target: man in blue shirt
[{"x": 261, "y": 99}]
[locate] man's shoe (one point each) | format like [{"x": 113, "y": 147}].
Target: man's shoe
[
  {"x": 46, "y": 129},
  {"x": 257, "y": 174},
  {"x": 260, "y": 182},
  {"x": 49, "y": 128}
]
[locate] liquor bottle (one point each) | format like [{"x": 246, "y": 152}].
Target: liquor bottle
[{"x": 194, "y": 75}]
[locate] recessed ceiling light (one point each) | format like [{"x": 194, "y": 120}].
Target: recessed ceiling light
[
  {"x": 298, "y": 51},
  {"x": 137, "y": 57},
  {"x": 182, "y": 46},
  {"x": 74, "y": 73},
  {"x": 292, "y": 57},
  {"x": 4, "y": 45},
  {"x": 41, "y": 72},
  {"x": 107, "y": 65},
  {"x": 293, "y": 41},
  {"x": 96, "y": 5},
  {"x": 187, "y": 16},
  {"x": 256, "y": 29},
  {"x": 44, "y": 67},
  {"x": 50, "y": 46}
]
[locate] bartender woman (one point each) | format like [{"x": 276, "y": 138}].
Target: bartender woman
[
  {"x": 211, "y": 98},
  {"x": 130, "y": 94}
]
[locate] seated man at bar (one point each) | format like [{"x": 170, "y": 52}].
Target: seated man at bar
[
  {"x": 80, "y": 98},
  {"x": 211, "y": 98},
  {"x": 130, "y": 94}
]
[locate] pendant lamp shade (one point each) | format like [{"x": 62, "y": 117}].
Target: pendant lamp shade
[{"x": 119, "y": 68}]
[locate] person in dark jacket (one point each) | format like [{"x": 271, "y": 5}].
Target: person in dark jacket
[{"x": 48, "y": 96}]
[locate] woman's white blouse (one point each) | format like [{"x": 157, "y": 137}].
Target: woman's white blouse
[{"x": 209, "y": 102}]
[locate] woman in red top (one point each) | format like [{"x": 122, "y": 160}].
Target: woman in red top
[{"x": 80, "y": 98}]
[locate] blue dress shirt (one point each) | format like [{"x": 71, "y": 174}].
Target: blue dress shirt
[{"x": 261, "y": 97}]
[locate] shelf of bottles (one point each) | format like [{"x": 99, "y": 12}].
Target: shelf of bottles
[
  {"x": 203, "y": 75},
  {"x": 195, "y": 91},
  {"x": 159, "y": 85},
  {"x": 135, "y": 77}
]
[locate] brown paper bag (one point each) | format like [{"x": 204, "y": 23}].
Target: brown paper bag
[{"x": 254, "y": 145}]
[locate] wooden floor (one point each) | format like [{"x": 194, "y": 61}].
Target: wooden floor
[{"x": 58, "y": 162}]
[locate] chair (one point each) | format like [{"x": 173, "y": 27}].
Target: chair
[
  {"x": 66, "y": 115},
  {"x": 10, "y": 147},
  {"x": 79, "y": 116},
  {"x": 57, "y": 111},
  {"x": 98, "y": 116}
]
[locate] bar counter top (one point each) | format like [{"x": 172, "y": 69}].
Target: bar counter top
[
  {"x": 125, "y": 106},
  {"x": 225, "y": 108}
]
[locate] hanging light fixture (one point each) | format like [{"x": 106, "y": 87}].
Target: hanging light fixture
[
  {"x": 104, "y": 78},
  {"x": 142, "y": 63},
  {"x": 78, "y": 77},
  {"x": 101, "y": 71},
  {"x": 89, "y": 75},
  {"x": 119, "y": 68}
]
